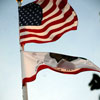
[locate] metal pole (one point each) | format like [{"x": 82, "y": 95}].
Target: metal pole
[
  {"x": 25, "y": 95},
  {"x": 24, "y": 88}
]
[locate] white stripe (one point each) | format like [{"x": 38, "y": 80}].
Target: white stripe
[
  {"x": 56, "y": 18},
  {"x": 58, "y": 2},
  {"x": 53, "y": 13},
  {"x": 39, "y": 2},
  {"x": 67, "y": 7},
  {"x": 51, "y": 36},
  {"x": 50, "y": 4}
]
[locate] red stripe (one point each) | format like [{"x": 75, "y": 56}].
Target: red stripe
[
  {"x": 57, "y": 21},
  {"x": 66, "y": 15},
  {"x": 44, "y": 4},
  {"x": 54, "y": 7},
  {"x": 51, "y": 17},
  {"x": 62, "y": 4},
  {"x": 54, "y": 39},
  {"x": 49, "y": 11},
  {"x": 41, "y": 67},
  {"x": 45, "y": 36}
]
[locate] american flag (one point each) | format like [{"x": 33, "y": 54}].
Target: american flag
[{"x": 44, "y": 21}]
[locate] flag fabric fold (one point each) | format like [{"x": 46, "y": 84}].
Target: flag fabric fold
[
  {"x": 33, "y": 62},
  {"x": 44, "y": 21}
]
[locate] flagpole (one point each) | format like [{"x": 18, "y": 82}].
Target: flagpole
[
  {"x": 24, "y": 88},
  {"x": 25, "y": 95}
]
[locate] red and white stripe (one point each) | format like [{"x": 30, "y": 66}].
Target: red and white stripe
[
  {"x": 57, "y": 19},
  {"x": 41, "y": 67}
]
